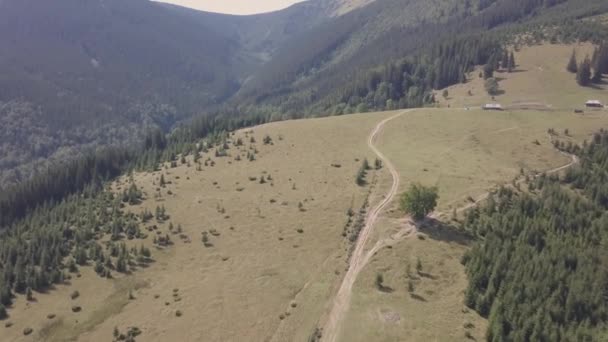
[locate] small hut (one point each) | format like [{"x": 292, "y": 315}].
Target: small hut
[
  {"x": 594, "y": 104},
  {"x": 492, "y": 106}
]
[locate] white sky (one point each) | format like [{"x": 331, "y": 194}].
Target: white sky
[{"x": 235, "y": 6}]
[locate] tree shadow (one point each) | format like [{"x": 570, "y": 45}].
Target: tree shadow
[
  {"x": 427, "y": 275},
  {"x": 385, "y": 289},
  {"x": 418, "y": 297},
  {"x": 442, "y": 231},
  {"x": 598, "y": 86}
]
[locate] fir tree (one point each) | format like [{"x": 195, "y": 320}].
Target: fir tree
[
  {"x": 583, "y": 75},
  {"x": 572, "y": 64},
  {"x": 512, "y": 63}
]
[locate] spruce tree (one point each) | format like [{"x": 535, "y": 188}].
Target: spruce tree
[
  {"x": 488, "y": 71},
  {"x": 583, "y": 75},
  {"x": 572, "y": 64},
  {"x": 512, "y": 63},
  {"x": 505, "y": 62},
  {"x": 3, "y": 314}
]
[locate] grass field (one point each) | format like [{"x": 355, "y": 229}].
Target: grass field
[
  {"x": 272, "y": 258},
  {"x": 540, "y": 78},
  {"x": 278, "y": 253},
  {"x": 464, "y": 153}
]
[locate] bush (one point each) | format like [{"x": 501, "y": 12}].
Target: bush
[{"x": 75, "y": 295}]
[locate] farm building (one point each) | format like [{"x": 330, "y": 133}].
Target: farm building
[
  {"x": 492, "y": 106},
  {"x": 594, "y": 104}
]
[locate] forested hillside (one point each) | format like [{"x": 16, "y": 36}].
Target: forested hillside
[
  {"x": 343, "y": 54},
  {"x": 86, "y": 73},
  {"x": 75, "y": 75},
  {"x": 539, "y": 268}
]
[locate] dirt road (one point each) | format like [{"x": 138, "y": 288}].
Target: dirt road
[
  {"x": 357, "y": 260},
  {"x": 360, "y": 258}
]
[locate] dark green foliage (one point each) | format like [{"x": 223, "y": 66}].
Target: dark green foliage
[
  {"x": 572, "y": 64},
  {"x": 379, "y": 281},
  {"x": 419, "y": 200},
  {"x": 512, "y": 64},
  {"x": 3, "y": 313},
  {"x": 267, "y": 140},
  {"x": 488, "y": 71},
  {"x": 491, "y": 86},
  {"x": 539, "y": 270},
  {"x": 362, "y": 173},
  {"x": 87, "y": 173},
  {"x": 33, "y": 250},
  {"x": 583, "y": 75},
  {"x": 378, "y": 164}
]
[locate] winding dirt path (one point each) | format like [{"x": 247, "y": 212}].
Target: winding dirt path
[{"x": 358, "y": 258}]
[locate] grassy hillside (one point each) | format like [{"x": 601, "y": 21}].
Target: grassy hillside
[{"x": 264, "y": 258}]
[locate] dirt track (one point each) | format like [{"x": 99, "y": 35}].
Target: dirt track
[{"x": 358, "y": 258}]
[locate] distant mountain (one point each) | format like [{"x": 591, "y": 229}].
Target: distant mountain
[
  {"x": 79, "y": 73},
  {"x": 83, "y": 73},
  {"x": 332, "y": 56}
]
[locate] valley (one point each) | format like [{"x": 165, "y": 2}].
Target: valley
[
  {"x": 340, "y": 170},
  {"x": 262, "y": 248}
]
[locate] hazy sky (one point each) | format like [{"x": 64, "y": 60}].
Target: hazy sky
[{"x": 235, "y": 6}]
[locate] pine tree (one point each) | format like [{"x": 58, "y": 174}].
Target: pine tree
[
  {"x": 512, "y": 63},
  {"x": 597, "y": 67},
  {"x": 505, "y": 62},
  {"x": 3, "y": 314},
  {"x": 583, "y": 75},
  {"x": 572, "y": 64},
  {"x": 488, "y": 71}
]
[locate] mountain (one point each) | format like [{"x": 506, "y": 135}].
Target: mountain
[{"x": 78, "y": 74}]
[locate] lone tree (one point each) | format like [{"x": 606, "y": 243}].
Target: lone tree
[
  {"x": 491, "y": 85},
  {"x": 419, "y": 200},
  {"x": 572, "y": 64}
]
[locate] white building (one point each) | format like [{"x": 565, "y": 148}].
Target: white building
[
  {"x": 492, "y": 106},
  {"x": 594, "y": 104}
]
